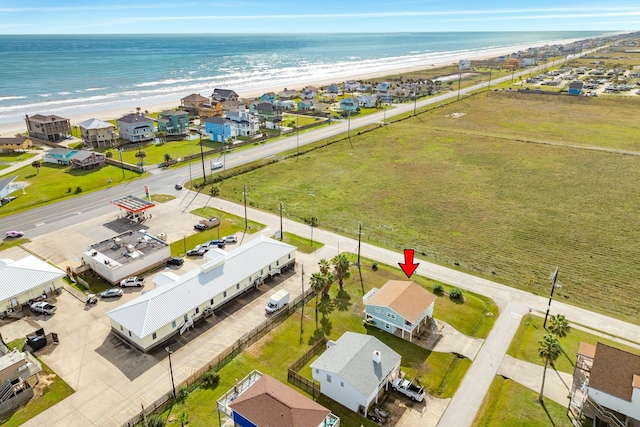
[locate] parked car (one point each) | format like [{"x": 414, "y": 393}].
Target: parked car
[
  {"x": 200, "y": 227},
  {"x": 197, "y": 252},
  {"x": 219, "y": 243},
  {"x": 175, "y": 261},
  {"x": 178, "y": 186},
  {"x": 111, "y": 293},
  {"x": 132, "y": 281},
  {"x": 43, "y": 307},
  {"x": 14, "y": 233},
  {"x": 230, "y": 239}
]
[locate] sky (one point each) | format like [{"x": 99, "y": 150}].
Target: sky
[{"x": 305, "y": 16}]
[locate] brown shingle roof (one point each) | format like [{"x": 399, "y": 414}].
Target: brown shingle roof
[
  {"x": 586, "y": 349},
  {"x": 404, "y": 297},
  {"x": 269, "y": 403},
  {"x": 195, "y": 97},
  {"x": 46, "y": 119},
  {"x": 613, "y": 371}
]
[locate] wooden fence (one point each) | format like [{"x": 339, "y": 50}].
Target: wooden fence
[{"x": 310, "y": 386}]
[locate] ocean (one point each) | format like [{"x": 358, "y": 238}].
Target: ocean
[{"x": 75, "y": 74}]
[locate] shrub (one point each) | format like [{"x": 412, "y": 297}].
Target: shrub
[
  {"x": 78, "y": 190},
  {"x": 182, "y": 394},
  {"x": 455, "y": 293},
  {"x": 374, "y": 266},
  {"x": 155, "y": 421},
  {"x": 210, "y": 379},
  {"x": 438, "y": 289}
]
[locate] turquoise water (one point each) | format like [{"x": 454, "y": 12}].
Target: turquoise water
[{"x": 68, "y": 75}]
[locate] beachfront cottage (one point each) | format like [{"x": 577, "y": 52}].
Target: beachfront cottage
[
  {"x": 349, "y": 105},
  {"x": 367, "y": 101},
  {"x": 268, "y": 97},
  {"x": 365, "y": 87},
  {"x": 306, "y": 105},
  {"x": 97, "y": 133},
  {"x": 262, "y": 401},
  {"x": 238, "y": 106},
  {"x": 309, "y": 92},
  {"x": 192, "y": 102},
  {"x": 355, "y": 370},
  {"x": 151, "y": 319},
  {"x": 135, "y": 128},
  {"x": 213, "y": 109},
  {"x": 606, "y": 386},
  {"x": 351, "y": 85},
  {"x": 328, "y": 97},
  {"x": 218, "y": 127},
  {"x": 48, "y": 128},
  {"x": 333, "y": 88},
  {"x": 16, "y": 143},
  {"x": 288, "y": 94},
  {"x": 26, "y": 279},
  {"x": 464, "y": 64},
  {"x": 268, "y": 114},
  {"x": 243, "y": 123},
  {"x": 223, "y": 95},
  {"x": 174, "y": 123},
  {"x": 285, "y": 104},
  {"x": 77, "y": 158},
  {"x": 399, "y": 307}
]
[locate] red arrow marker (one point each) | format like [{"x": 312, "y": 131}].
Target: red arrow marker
[{"x": 408, "y": 267}]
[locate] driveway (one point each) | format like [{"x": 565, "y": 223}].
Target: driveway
[{"x": 445, "y": 338}]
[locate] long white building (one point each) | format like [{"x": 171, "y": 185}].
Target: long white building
[{"x": 150, "y": 319}]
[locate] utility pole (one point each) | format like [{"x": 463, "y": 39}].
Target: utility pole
[
  {"x": 297, "y": 135},
  {"x": 190, "y": 179},
  {"x": 415, "y": 98},
  {"x": 349, "y": 123},
  {"x": 359, "y": 240},
  {"x": 244, "y": 194},
  {"x": 312, "y": 221},
  {"x": 384, "y": 118},
  {"x": 281, "y": 231},
  {"x": 554, "y": 277},
  {"x": 121, "y": 164},
  {"x": 490, "y": 70},
  {"x": 204, "y": 173},
  {"x": 173, "y": 386},
  {"x": 459, "y": 81}
]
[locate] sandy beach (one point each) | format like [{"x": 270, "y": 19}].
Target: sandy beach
[{"x": 9, "y": 129}]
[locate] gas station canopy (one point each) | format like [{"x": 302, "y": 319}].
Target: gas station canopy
[{"x": 133, "y": 204}]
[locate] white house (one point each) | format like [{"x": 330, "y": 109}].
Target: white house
[
  {"x": 26, "y": 279},
  {"x": 150, "y": 319},
  {"x": 464, "y": 64},
  {"x": 355, "y": 370},
  {"x": 367, "y": 101},
  {"x": 243, "y": 123},
  {"x": 351, "y": 85},
  {"x": 135, "y": 127},
  {"x": 125, "y": 255}
]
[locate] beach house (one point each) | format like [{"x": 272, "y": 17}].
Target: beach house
[
  {"x": 351, "y": 85},
  {"x": 356, "y": 370},
  {"x": 218, "y": 127},
  {"x": 210, "y": 109},
  {"x": 236, "y": 105},
  {"x": 575, "y": 87},
  {"x": 223, "y": 95},
  {"x": 288, "y": 94},
  {"x": 306, "y": 104},
  {"x": 309, "y": 92},
  {"x": 135, "y": 127},
  {"x": 349, "y": 105},
  {"x": 174, "y": 122},
  {"x": 243, "y": 123},
  {"x": 268, "y": 114},
  {"x": 192, "y": 102},
  {"x": 464, "y": 64},
  {"x": 97, "y": 133},
  {"x": 268, "y": 97},
  {"x": 367, "y": 101},
  {"x": 15, "y": 143},
  {"x": 333, "y": 88},
  {"x": 48, "y": 128}
]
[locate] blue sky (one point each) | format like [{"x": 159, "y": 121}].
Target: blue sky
[{"x": 283, "y": 16}]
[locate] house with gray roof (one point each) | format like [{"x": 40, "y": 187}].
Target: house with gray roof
[
  {"x": 151, "y": 319},
  {"x": 50, "y": 128},
  {"x": 97, "y": 133},
  {"x": 26, "y": 279},
  {"x": 135, "y": 127},
  {"x": 355, "y": 370},
  {"x": 223, "y": 95}
]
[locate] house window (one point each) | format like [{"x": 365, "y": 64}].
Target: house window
[
  {"x": 289, "y": 256},
  {"x": 277, "y": 263},
  {"x": 249, "y": 279},
  {"x": 341, "y": 383},
  {"x": 224, "y": 294},
  {"x": 186, "y": 318},
  {"x": 386, "y": 325},
  {"x": 173, "y": 324},
  {"x": 328, "y": 378},
  {"x": 391, "y": 315},
  {"x": 154, "y": 335},
  {"x": 197, "y": 310},
  {"x": 121, "y": 328},
  {"x": 317, "y": 371},
  {"x": 377, "y": 309},
  {"x": 129, "y": 333},
  {"x": 211, "y": 301},
  {"x": 237, "y": 286},
  {"x": 261, "y": 272}
]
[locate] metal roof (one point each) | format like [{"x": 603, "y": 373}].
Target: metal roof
[
  {"x": 159, "y": 307},
  {"x": 132, "y": 203},
  {"x": 95, "y": 124},
  {"x": 352, "y": 359},
  {"x": 23, "y": 275}
]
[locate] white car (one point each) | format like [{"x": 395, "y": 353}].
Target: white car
[
  {"x": 230, "y": 239},
  {"x": 43, "y": 307},
  {"x": 14, "y": 233}
]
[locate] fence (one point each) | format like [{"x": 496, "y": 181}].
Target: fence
[
  {"x": 226, "y": 356},
  {"x": 303, "y": 383}
]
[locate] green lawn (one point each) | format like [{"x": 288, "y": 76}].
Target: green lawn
[
  {"x": 229, "y": 224},
  {"x": 161, "y": 198},
  {"x": 509, "y": 404},
  {"x": 7, "y": 243},
  {"x": 155, "y": 153},
  {"x": 480, "y": 198},
  {"x": 54, "y": 182},
  {"x": 302, "y": 243},
  {"x": 524, "y": 345},
  {"x": 441, "y": 373},
  {"x": 53, "y": 393},
  {"x": 15, "y": 156},
  {"x": 289, "y": 119}
]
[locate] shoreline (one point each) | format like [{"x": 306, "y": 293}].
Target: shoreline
[{"x": 12, "y": 128}]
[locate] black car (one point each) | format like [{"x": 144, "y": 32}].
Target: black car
[
  {"x": 200, "y": 227},
  {"x": 175, "y": 261},
  {"x": 178, "y": 187}
]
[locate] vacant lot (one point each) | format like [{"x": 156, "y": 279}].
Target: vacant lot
[{"x": 469, "y": 192}]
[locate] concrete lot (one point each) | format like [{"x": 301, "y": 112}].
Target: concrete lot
[{"x": 112, "y": 379}]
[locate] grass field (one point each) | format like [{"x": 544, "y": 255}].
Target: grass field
[
  {"x": 155, "y": 153},
  {"x": 509, "y": 404},
  {"x": 470, "y": 193},
  {"x": 524, "y": 345},
  {"x": 15, "y": 156}
]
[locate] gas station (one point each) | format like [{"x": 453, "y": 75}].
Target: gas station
[{"x": 135, "y": 208}]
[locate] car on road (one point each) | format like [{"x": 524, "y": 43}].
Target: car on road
[
  {"x": 216, "y": 165},
  {"x": 43, "y": 307},
  {"x": 132, "y": 281},
  {"x": 14, "y": 233},
  {"x": 178, "y": 186},
  {"x": 175, "y": 261},
  {"x": 200, "y": 227},
  {"x": 111, "y": 293},
  {"x": 230, "y": 239}
]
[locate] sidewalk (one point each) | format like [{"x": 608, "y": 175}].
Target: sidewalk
[{"x": 22, "y": 164}]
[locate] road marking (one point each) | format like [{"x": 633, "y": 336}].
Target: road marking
[
  {"x": 516, "y": 314},
  {"x": 40, "y": 224}
]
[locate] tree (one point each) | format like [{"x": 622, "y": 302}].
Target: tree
[
  {"x": 549, "y": 351},
  {"x": 183, "y": 418},
  {"x": 167, "y": 158},
  {"x": 37, "y": 165},
  {"x": 162, "y": 136},
  {"x": 140, "y": 156},
  {"x": 325, "y": 272},
  {"x": 559, "y": 326},
  {"x": 108, "y": 154},
  {"x": 317, "y": 284},
  {"x": 341, "y": 266}
]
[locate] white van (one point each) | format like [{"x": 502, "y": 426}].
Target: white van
[{"x": 216, "y": 165}]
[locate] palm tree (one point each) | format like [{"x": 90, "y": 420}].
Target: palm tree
[
  {"x": 325, "y": 272},
  {"x": 37, "y": 165},
  {"x": 141, "y": 155},
  {"x": 559, "y": 326},
  {"x": 183, "y": 419},
  {"x": 325, "y": 267},
  {"x": 341, "y": 266},
  {"x": 317, "y": 284},
  {"x": 549, "y": 350},
  {"x": 167, "y": 158}
]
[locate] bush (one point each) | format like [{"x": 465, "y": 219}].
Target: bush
[
  {"x": 210, "y": 379},
  {"x": 438, "y": 289},
  {"x": 155, "y": 421},
  {"x": 78, "y": 190},
  {"x": 182, "y": 394},
  {"x": 374, "y": 266},
  {"x": 455, "y": 293}
]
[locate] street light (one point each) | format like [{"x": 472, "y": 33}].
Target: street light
[
  {"x": 297, "y": 135},
  {"x": 190, "y": 155},
  {"x": 384, "y": 117},
  {"x": 312, "y": 221},
  {"x": 173, "y": 386},
  {"x": 415, "y": 98},
  {"x": 204, "y": 173},
  {"x": 554, "y": 285}
]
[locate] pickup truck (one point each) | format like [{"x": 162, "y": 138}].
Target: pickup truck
[
  {"x": 43, "y": 307},
  {"x": 408, "y": 388},
  {"x": 132, "y": 281}
]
